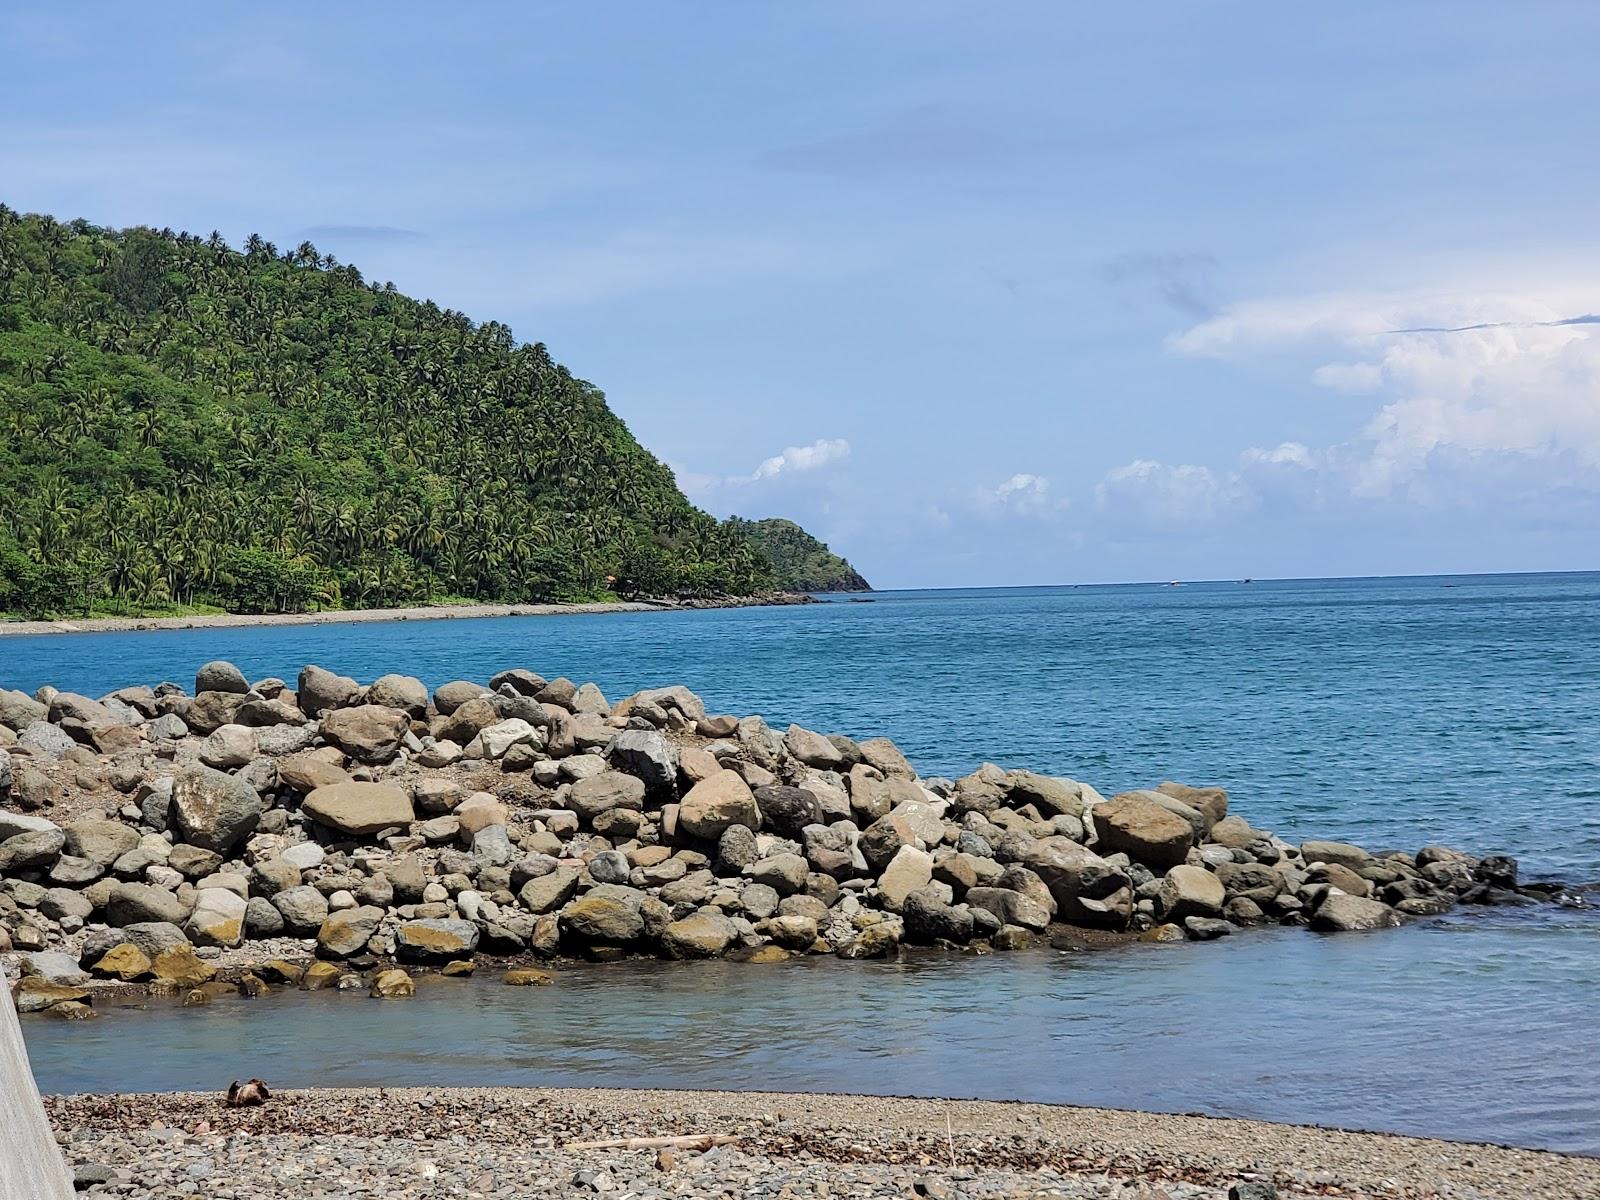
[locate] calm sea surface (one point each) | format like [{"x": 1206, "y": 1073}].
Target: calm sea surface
[{"x": 1393, "y": 713}]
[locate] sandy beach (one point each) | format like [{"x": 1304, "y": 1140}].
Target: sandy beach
[
  {"x": 519, "y": 1142},
  {"x": 429, "y": 612}
]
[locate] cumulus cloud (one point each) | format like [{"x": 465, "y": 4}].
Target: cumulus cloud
[
  {"x": 1461, "y": 377},
  {"x": 783, "y": 474},
  {"x": 801, "y": 458},
  {"x": 1023, "y": 494},
  {"x": 1168, "y": 494}
]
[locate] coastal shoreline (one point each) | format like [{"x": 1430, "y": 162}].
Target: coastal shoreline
[
  {"x": 360, "y": 616},
  {"x": 392, "y": 1140}
]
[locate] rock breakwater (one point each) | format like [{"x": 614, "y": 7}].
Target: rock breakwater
[{"x": 241, "y": 835}]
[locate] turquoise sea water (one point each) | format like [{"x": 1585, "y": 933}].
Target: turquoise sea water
[{"x": 1394, "y": 712}]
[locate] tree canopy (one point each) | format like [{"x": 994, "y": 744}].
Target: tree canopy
[
  {"x": 184, "y": 423},
  {"x": 800, "y": 563}
]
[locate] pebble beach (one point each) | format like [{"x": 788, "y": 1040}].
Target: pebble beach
[{"x": 415, "y": 1143}]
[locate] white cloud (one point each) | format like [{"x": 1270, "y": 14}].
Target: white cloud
[
  {"x": 802, "y": 458},
  {"x": 781, "y": 475},
  {"x": 1160, "y": 493},
  {"x": 1462, "y": 377},
  {"x": 1285, "y": 454},
  {"x": 1023, "y": 494}
]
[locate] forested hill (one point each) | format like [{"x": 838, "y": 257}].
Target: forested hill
[
  {"x": 800, "y": 563},
  {"x": 186, "y": 423}
]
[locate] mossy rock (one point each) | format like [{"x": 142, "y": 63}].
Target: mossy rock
[
  {"x": 1163, "y": 934},
  {"x": 252, "y": 985},
  {"x": 460, "y": 967},
  {"x": 70, "y": 1010},
  {"x": 281, "y": 970},
  {"x": 393, "y": 984},
  {"x": 527, "y": 977},
  {"x": 320, "y": 975},
  {"x": 181, "y": 967},
  {"x": 36, "y": 995},
  {"x": 125, "y": 962},
  {"x": 764, "y": 955}
]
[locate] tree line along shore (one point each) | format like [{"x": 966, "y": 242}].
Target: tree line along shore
[
  {"x": 243, "y": 835},
  {"x": 192, "y": 427}
]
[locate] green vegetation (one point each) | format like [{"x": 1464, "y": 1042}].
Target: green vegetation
[
  {"x": 800, "y": 563},
  {"x": 183, "y": 425}
]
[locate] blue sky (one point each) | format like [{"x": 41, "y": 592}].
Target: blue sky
[{"x": 1002, "y": 293}]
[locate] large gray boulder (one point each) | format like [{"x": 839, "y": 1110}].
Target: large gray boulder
[
  {"x": 1339, "y": 913},
  {"x": 213, "y": 810},
  {"x": 368, "y": 733},
  {"x": 49, "y": 740},
  {"x": 645, "y": 753},
  {"x": 604, "y": 792},
  {"x": 1087, "y": 889},
  {"x": 220, "y": 676},
  {"x": 144, "y": 903},
  {"x": 928, "y": 918},
  {"x": 149, "y": 937},
  {"x": 28, "y": 851},
  {"x": 303, "y": 908},
  {"x": 404, "y": 692},
  {"x": 320, "y": 690},
  {"x": 702, "y": 934},
  {"x": 98, "y": 841},
  {"x": 18, "y": 710}
]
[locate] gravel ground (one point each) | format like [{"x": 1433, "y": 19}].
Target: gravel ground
[{"x": 414, "y": 1143}]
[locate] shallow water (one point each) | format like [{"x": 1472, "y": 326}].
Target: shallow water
[
  {"x": 1385, "y": 712},
  {"x": 1466, "y": 1027}
]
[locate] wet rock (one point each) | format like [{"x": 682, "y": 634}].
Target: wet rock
[
  {"x": 347, "y": 932},
  {"x": 1087, "y": 889},
  {"x": 1190, "y": 892},
  {"x": 393, "y": 984},
  {"x": 929, "y": 918},
  {"x": 704, "y": 934},
  {"x": 436, "y": 939},
  {"x": 1339, "y": 913},
  {"x": 1338, "y": 853},
  {"x": 606, "y": 913}
]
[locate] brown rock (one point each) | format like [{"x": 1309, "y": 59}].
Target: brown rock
[
  {"x": 359, "y": 809},
  {"x": 1143, "y": 830}
]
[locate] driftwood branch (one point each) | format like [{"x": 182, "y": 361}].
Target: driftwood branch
[{"x": 692, "y": 1141}]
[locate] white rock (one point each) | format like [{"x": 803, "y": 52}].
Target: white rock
[{"x": 304, "y": 855}]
